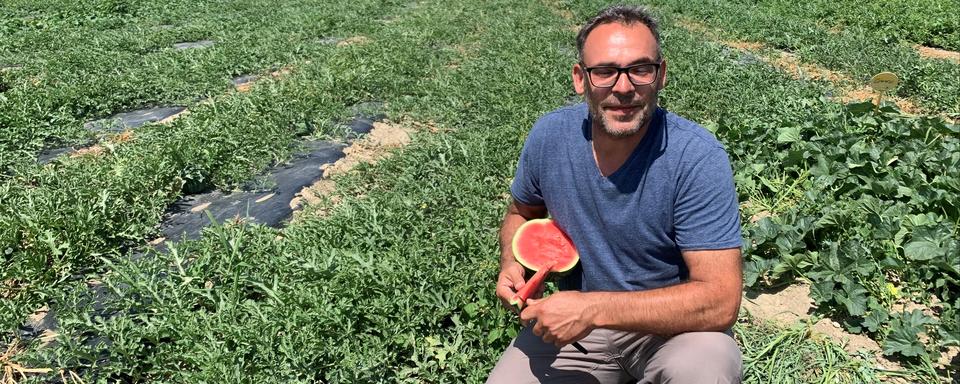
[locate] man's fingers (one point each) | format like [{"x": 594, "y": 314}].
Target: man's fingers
[
  {"x": 505, "y": 291},
  {"x": 538, "y": 329},
  {"x": 509, "y": 282},
  {"x": 528, "y": 313},
  {"x": 516, "y": 278},
  {"x": 506, "y": 294}
]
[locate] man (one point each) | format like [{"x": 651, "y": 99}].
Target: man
[{"x": 648, "y": 199}]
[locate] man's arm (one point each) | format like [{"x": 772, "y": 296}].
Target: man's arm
[
  {"x": 511, "y": 278},
  {"x": 708, "y": 301}
]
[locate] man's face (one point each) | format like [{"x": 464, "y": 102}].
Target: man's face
[{"x": 623, "y": 109}]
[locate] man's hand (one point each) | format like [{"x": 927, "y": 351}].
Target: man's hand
[
  {"x": 561, "y": 319},
  {"x": 510, "y": 281},
  {"x": 511, "y": 277}
]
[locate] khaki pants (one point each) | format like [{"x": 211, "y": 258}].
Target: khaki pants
[{"x": 621, "y": 357}]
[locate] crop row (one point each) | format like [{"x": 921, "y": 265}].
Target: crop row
[
  {"x": 925, "y": 22},
  {"x": 863, "y": 204},
  {"x": 63, "y": 63},
  {"x": 59, "y": 220},
  {"x": 858, "y": 51}
]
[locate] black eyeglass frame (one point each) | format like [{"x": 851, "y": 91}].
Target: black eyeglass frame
[{"x": 620, "y": 71}]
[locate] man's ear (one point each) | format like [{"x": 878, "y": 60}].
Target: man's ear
[
  {"x": 662, "y": 81},
  {"x": 578, "y": 78}
]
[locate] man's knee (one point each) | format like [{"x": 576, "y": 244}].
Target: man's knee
[{"x": 697, "y": 357}]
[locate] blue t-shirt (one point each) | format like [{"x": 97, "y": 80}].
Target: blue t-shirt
[{"x": 675, "y": 192}]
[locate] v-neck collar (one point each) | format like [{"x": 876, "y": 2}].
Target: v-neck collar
[{"x": 656, "y": 122}]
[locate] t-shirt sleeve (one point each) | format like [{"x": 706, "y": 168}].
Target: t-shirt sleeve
[
  {"x": 526, "y": 183},
  {"x": 706, "y": 212}
]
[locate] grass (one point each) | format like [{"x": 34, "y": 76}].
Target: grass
[
  {"x": 795, "y": 355},
  {"x": 394, "y": 284}
]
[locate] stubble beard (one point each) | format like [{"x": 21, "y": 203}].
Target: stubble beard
[{"x": 598, "y": 116}]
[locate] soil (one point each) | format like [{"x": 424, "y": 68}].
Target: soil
[
  {"x": 744, "y": 45},
  {"x": 355, "y": 40},
  {"x": 791, "y": 64},
  {"x": 283, "y": 71},
  {"x": 558, "y": 9},
  {"x": 937, "y": 53},
  {"x": 695, "y": 26},
  {"x": 244, "y": 87},
  {"x": 175, "y": 116},
  {"x": 372, "y": 147},
  {"x": 862, "y": 94},
  {"x": 98, "y": 149},
  {"x": 94, "y": 150}
]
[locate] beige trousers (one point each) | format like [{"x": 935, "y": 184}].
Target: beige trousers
[{"x": 621, "y": 357}]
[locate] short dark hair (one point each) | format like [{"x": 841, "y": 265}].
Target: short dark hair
[{"x": 624, "y": 14}]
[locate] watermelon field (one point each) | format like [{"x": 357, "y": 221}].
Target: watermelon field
[{"x": 116, "y": 114}]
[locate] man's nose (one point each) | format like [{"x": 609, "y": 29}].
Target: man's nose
[{"x": 623, "y": 84}]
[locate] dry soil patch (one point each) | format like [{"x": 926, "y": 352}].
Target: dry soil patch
[
  {"x": 937, "y": 53},
  {"x": 355, "y": 40},
  {"x": 744, "y": 45},
  {"x": 557, "y": 8},
  {"x": 369, "y": 149}
]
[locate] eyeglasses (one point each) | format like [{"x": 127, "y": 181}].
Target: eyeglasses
[{"x": 607, "y": 77}]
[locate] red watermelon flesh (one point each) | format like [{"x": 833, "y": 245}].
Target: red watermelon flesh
[{"x": 540, "y": 245}]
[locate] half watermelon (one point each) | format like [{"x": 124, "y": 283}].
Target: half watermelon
[{"x": 541, "y": 246}]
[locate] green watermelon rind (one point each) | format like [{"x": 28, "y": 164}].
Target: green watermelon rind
[{"x": 532, "y": 224}]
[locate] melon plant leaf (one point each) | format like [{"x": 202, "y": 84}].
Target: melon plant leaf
[
  {"x": 918, "y": 318},
  {"x": 854, "y": 298},
  {"x": 788, "y": 134},
  {"x": 922, "y": 250},
  {"x": 822, "y": 291},
  {"x": 875, "y": 320},
  {"x": 902, "y": 340},
  {"x": 494, "y": 335},
  {"x": 927, "y": 243},
  {"x": 830, "y": 268},
  {"x": 856, "y": 257},
  {"x": 821, "y": 168},
  {"x": 904, "y": 336},
  {"x": 471, "y": 309},
  {"x": 751, "y": 272},
  {"x": 765, "y": 229},
  {"x": 947, "y": 128},
  {"x": 860, "y": 109},
  {"x": 950, "y": 336}
]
